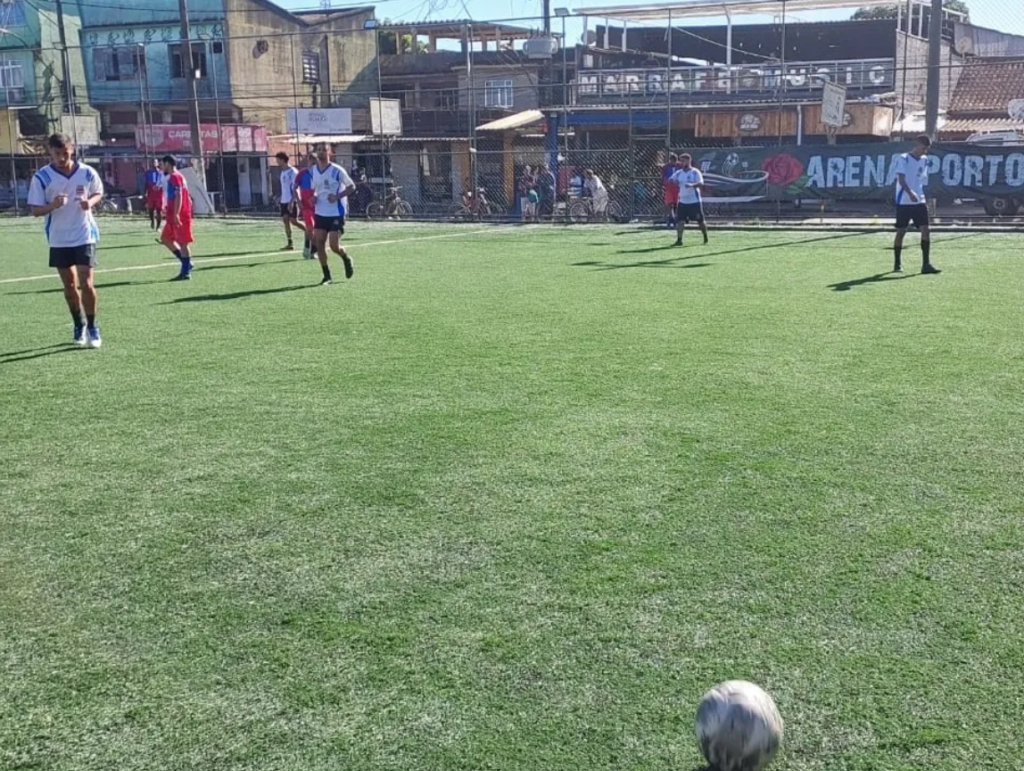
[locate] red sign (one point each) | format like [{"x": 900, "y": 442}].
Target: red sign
[{"x": 177, "y": 137}]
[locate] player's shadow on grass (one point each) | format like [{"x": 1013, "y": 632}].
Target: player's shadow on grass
[
  {"x": 669, "y": 263},
  {"x": 13, "y": 357},
  {"x": 202, "y": 298},
  {"x": 110, "y": 285},
  {"x": 758, "y": 248},
  {"x": 846, "y": 286}
]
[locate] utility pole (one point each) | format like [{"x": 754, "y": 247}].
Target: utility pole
[
  {"x": 931, "y": 100},
  {"x": 547, "y": 18},
  {"x": 193, "y": 109},
  {"x": 68, "y": 95}
]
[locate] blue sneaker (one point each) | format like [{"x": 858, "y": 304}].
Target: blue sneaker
[
  {"x": 79, "y": 336},
  {"x": 94, "y": 337}
]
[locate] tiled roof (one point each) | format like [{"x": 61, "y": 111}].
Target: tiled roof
[
  {"x": 972, "y": 125},
  {"x": 987, "y": 86}
]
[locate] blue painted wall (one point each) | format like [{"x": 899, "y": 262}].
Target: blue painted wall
[
  {"x": 148, "y": 13},
  {"x": 156, "y": 40}
]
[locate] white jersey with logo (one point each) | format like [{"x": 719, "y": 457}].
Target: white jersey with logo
[
  {"x": 68, "y": 225},
  {"x": 288, "y": 175},
  {"x": 330, "y": 181},
  {"x": 915, "y": 170},
  {"x": 684, "y": 177}
]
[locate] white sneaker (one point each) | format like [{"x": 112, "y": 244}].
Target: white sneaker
[
  {"x": 79, "y": 336},
  {"x": 93, "y": 337}
]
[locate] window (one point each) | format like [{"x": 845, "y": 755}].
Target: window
[
  {"x": 12, "y": 81},
  {"x": 122, "y": 63},
  {"x": 179, "y": 66},
  {"x": 448, "y": 99},
  {"x": 498, "y": 93},
  {"x": 310, "y": 67},
  {"x": 12, "y": 13}
]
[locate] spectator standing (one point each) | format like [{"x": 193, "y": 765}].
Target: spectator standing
[{"x": 546, "y": 188}]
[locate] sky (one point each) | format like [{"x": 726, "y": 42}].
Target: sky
[{"x": 996, "y": 14}]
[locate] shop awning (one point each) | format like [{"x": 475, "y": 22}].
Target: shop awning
[{"x": 509, "y": 122}]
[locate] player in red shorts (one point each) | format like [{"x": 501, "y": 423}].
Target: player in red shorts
[
  {"x": 155, "y": 194},
  {"x": 307, "y": 203},
  {"x": 671, "y": 189},
  {"x": 177, "y": 232}
]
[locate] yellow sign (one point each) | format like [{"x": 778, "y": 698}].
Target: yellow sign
[{"x": 8, "y": 120}]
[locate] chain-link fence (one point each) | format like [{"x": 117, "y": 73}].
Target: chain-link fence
[{"x": 493, "y": 122}]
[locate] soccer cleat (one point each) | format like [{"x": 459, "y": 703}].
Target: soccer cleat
[
  {"x": 930, "y": 270},
  {"x": 325, "y": 282},
  {"x": 288, "y": 247},
  {"x": 307, "y": 253},
  {"x": 679, "y": 242},
  {"x": 897, "y": 268},
  {"x": 79, "y": 338},
  {"x": 182, "y": 277},
  {"x": 349, "y": 267},
  {"x": 94, "y": 337}
]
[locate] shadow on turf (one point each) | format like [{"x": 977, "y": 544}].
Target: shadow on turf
[
  {"x": 110, "y": 285},
  {"x": 36, "y": 353},
  {"x": 202, "y": 298},
  {"x": 759, "y": 247},
  {"x": 846, "y": 286}
]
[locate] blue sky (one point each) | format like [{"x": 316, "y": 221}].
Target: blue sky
[{"x": 986, "y": 13}]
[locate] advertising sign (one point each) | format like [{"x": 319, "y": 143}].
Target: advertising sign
[
  {"x": 177, "y": 137},
  {"x": 857, "y": 172},
  {"x": 763, "y": 79},
  {"x": 333, "y": 120}
]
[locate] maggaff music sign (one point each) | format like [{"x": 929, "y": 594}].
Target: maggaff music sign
[{"x": 798, "y": 76}]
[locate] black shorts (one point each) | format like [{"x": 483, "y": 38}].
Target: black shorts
[
  {"x": 912, "y": 213},
  {"x": 329, "y": 224},
  {"x": 68, "y": 256},
  {"x": 690, "y": 212},
  {"x": 288, "y": 210}
]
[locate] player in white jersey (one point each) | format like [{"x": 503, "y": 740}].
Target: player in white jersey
[
  {"x": 65, "y": 193},
  {"x": 911, "y": 204},
  {"x": 331, "y": 186},
  {"x": 690, "y": 207},
  {"x": 289, "y": 207}
]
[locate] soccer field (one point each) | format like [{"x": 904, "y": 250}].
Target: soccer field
[{"x": 511, "y": 499}]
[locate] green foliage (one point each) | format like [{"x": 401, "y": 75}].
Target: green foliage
[{"x": 892, "y": 11}]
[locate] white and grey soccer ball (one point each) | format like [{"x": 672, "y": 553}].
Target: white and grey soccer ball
[{"x": 738, "y": 727}]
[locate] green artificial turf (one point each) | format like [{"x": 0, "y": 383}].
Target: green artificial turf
[{"x": 511, "y": 499}]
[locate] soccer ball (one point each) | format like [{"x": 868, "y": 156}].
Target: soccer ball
[{"x": 738, "y": 727}]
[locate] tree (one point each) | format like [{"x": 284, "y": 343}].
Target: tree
[{"x": 892, "y": 11}]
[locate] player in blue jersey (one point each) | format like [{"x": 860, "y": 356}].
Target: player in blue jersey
[
  {"x": 65, "y": 192},
  {"x": 155, "y": 183}
]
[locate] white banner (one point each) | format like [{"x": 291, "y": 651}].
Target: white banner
[
  {"x": 332, "y": 120},
  {"x": 386, "y": 117}
]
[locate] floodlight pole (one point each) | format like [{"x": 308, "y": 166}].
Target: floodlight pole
[{"x": 931, "y": 111}]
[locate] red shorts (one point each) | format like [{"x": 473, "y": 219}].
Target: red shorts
[
  {"x": 155, "y": 200},
  {"x": 182, "y": 234},
  {"x": 671, "y": 195},
  {"x": 307, "y": 218}
]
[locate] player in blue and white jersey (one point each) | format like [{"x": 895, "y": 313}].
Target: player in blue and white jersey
[
  {"x": 331, "y": 185},
  {"x": 65, "y": 192}
]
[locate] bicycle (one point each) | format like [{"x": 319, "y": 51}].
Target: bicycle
[
  {"x": 478, "y": 208},
  {"x": 581, "y": 211},
  {"x": 393, "y": 206}
]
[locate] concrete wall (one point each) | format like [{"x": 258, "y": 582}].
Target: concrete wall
[
  {"x": 267, "y": 82},
  {"x": 916, "y": 72},
  {"x": 524, "y": 86},
  {"x": 405, "y": 171}
]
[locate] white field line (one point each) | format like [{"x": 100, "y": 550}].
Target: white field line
[{"x": 237, "y": 257}]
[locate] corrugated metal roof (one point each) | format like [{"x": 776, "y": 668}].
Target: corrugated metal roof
[
  {"x": 312, "y": 139},
  {"x": 520, "y": 119},
  {"x": 705, "y": 8}
]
